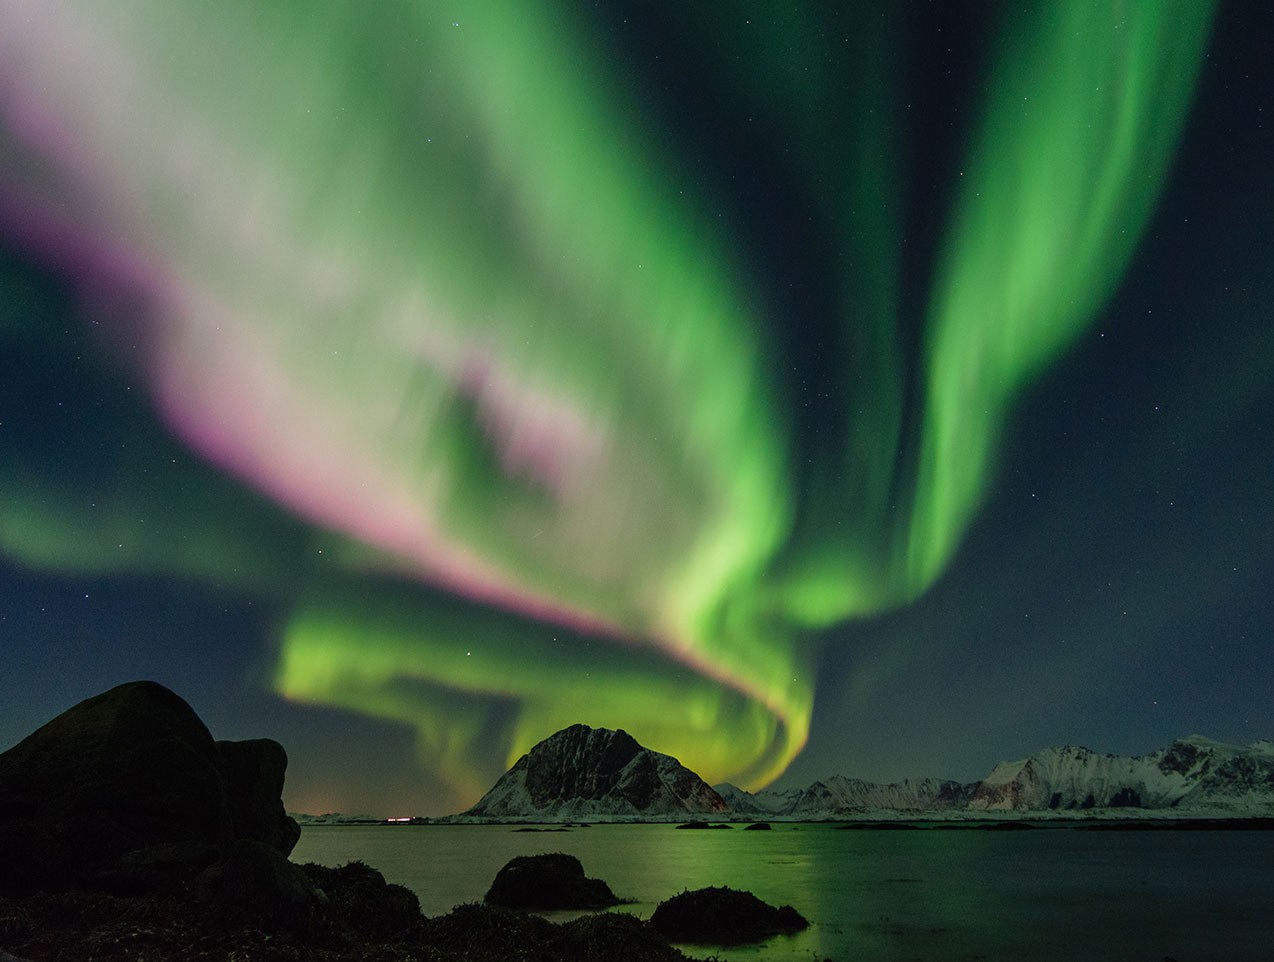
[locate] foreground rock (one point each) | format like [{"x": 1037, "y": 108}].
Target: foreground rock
[
  {"x": 127, "y": 792},
  {"x": 358, "y": 916},
  {"x": 723, "y": 916},
  {"x": 582, "y": 771},
  {"x": 252, "y": 772},
  {"x": 548, "y": 882}
]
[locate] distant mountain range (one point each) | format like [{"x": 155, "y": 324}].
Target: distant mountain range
[
  {"x": 1193, "y": 774},
  {"x": 332, "y": 818},
  {"x": 583, "y": 772},
  {"x": 839, "y": 794}
]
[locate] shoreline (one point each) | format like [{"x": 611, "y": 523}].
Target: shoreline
[{"x": 865, "y": 822}]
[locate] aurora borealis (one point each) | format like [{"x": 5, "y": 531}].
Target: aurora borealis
[{"x": 498, "y": 367}]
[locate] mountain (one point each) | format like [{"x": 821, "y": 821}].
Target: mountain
[
  {"x": 839, "y": 795},
  {"x": 331, "y": 818},
  {"x": 744, "y": 803},
  {"x": 1194, "y": 773},
  {"x": 583, "y": 772}
]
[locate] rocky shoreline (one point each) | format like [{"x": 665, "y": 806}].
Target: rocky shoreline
[
  {"x": 128, "y": 833},
  {"x": 362, "y": 919},
  {"x": 352, "y": 913}
]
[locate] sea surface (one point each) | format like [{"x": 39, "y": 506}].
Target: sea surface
[{"x": 1047, "y": 894}]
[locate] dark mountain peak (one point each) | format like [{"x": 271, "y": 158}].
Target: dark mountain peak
[{"x": 583, "y": 770}]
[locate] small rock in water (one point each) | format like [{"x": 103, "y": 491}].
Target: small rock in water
[{"x": 757, "y": 827}]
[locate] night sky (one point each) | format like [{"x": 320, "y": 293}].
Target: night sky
[{"x": 882, "y": 389}]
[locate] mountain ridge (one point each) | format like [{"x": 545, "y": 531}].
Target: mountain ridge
[
  {"x": 587, "y": 773},
  {"x": 1192, "y": 774}
]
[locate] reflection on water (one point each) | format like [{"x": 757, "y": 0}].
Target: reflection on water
[{"x": 1048, "y": 894}]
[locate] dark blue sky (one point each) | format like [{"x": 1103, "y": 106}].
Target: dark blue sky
[{"x": 1116, "y": 589}]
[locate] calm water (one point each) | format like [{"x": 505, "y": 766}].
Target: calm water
[{"x": 1046, "y": 894}]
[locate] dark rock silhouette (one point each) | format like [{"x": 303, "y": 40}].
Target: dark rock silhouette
[
  {"x": 543, "y": 882},
  {"x": 252, "y": 772},
  {"x": 702, "y": 825},
  {"x": 723, "y": 916},
  {"x": 127, "y": 792},
  {"x": 757, "y": 827}
]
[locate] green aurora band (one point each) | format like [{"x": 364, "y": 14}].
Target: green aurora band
[{"x": 495, "y": 407}]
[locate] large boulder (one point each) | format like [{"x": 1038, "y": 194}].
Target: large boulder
[
  {"x": 127, "y": 771},
  {"x": 127, "y": 791},
  {"x": 547, "y": 882},
  {"x": 253, "y": 775}
]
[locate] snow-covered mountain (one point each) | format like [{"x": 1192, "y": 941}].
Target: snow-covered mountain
[
  {"x": 334, "y": 818},
  {"x": 745, "y": 803},
  {"x": 839, "y": 795},
  {"x": 585, "y": 772},
  {"x": 591, "y": 773},
  {"x": 1194, "y": 773}
]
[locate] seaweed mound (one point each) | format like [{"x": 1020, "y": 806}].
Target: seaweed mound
[
  {"x": 545, "y": 882},
  {"x": 479, "y": 933},
  {"x": 360, "y": 901},
  {"x": 607, "y": 936},
  {"x": 723, "y": 916}
]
